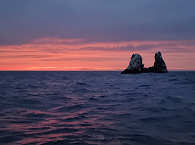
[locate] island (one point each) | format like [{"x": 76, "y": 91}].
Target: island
[{"x": 136, "y": 65}]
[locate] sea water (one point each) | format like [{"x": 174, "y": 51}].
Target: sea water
[{"x": 97, "y": 108}]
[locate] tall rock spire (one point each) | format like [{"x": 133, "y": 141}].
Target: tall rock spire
[{"x": 159, "y": 64}]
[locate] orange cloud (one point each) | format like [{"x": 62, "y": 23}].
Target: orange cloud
[{"x": 80, "y": 54}]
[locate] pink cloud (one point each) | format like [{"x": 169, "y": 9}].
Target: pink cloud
[{"x": 80, "y": 54}]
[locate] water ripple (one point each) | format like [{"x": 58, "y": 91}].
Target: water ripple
[{"x": 97, "y": 108}]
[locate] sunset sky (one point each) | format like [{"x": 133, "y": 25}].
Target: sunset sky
[{"x": 95, "y": 34}]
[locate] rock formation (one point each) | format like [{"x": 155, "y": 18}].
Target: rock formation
[
  {"x": 159, "y": 64},
  {"x": 136, "y": 66}
]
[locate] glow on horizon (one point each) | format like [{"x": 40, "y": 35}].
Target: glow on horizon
[{"x": 80, "y": 54}]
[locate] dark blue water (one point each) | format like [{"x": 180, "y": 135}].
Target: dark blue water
[{"x": 97, "y": 108}]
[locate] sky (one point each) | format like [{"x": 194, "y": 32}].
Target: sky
[{"x": 95, "y": 34}]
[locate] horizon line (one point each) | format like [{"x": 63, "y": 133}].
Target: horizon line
[{"x": 80, "y": 70}]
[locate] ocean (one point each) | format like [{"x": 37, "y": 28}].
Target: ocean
[{"x": 103, "y": 108}]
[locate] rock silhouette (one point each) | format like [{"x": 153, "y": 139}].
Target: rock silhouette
[
  {"x": 136, "y": 66},
  {"x": 159, "y": 64}
]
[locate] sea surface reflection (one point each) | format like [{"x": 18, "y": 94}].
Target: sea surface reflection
[{"x": 97, "y": 108}]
